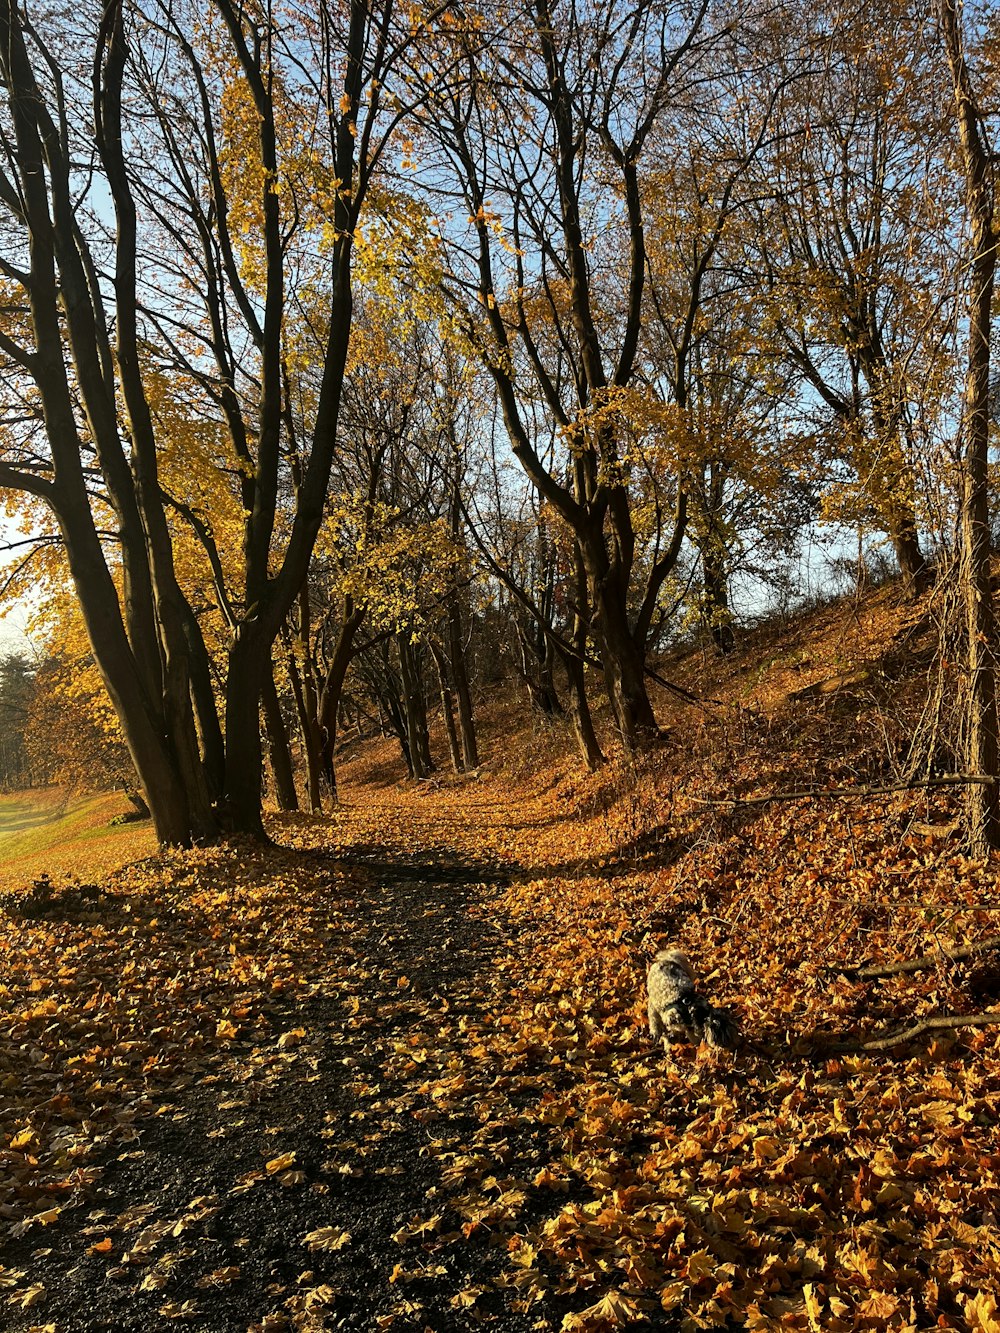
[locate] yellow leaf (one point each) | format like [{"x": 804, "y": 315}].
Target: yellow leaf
[
  {"x": 765, "y": 1149},
  {"x": 179, "y": 1310},
  {"x": 813, "y": 1307},
  {"x": 881, "y": 1305},
  {"x": 281, "y": 1163},
  {"x": 326, "y": 1238},
  {"x": 219, "y": 1277},
  {"x": 466, "y": 1298},
  {"x": 981, "y": 1313},
  {"x": 672, "y": 1295},
  {"x": 613, "y": 1310},
  {"x": 701, "y": 1264}
]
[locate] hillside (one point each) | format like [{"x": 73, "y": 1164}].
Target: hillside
[
  {"x": 396, "y": 1075},
  {"x": 64, "y": 834}
]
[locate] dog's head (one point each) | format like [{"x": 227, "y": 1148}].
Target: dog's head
[{"x": 675, "y": 959}]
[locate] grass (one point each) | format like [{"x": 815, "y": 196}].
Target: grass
[{"x": 66, "y": 835}]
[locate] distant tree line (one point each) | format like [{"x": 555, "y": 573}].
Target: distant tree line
[
  {"x": 54, "y": 730},
  {"x": 17, "y": 692}
]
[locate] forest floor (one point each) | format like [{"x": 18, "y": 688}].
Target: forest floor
[{"x": 393, "y": 1073}]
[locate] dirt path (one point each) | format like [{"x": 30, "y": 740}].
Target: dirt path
[{"x": 353, "y": 1171}]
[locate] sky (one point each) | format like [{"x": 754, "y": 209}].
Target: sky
[
  {"x": 12, "y": 633},
  {"x": 14, "y": 620}
]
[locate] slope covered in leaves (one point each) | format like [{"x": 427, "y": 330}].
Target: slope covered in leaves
[{"x": 397, "y": 1074}]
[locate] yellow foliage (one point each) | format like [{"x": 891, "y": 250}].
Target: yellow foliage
[
  {"x": 397, "y": 256},
  {"x": 397, "y": 571}
]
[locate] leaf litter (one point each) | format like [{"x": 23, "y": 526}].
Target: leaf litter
[{"x": 395, "y": 1075}]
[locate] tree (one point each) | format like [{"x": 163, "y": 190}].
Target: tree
[
  {"x": 168, "y": 109},
  {"x": 388, "y": 562},
  {"x": 979, "y": 172},
  {"x": 550, "y": 141},
  {"x": 533, "y": 557},
  {"x": 60, "y": 347},
  {"x": 520, "y": 134},
  {"x": 851, "y": 243},
  {"x": 722, "y": 424},
  {"x": 17, "y": 689}
]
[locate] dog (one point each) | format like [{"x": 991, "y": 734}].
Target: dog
[{"x": 676, "y": 1010}]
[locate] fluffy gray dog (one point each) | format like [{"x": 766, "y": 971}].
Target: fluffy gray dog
[{"x": 677, "y": 1012}]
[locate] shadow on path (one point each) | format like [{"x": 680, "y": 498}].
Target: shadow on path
[{"x": 330, "y": 1122}]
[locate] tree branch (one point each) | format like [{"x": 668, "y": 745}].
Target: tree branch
[
  {"x": 945, "y": 780},
  {"x": 925, "y": 961},
  {"x": 941, "y": 1023}
]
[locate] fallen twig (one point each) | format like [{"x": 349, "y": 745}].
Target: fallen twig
[
  {"x": 945, "y": 780},
  {"x": 824, "y": 1044},
  {"x": 990, "y": 1018},
  {"x": 920, "y": 964}
]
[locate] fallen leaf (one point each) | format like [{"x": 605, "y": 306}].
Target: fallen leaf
[{"x": 326, "y": 1238}]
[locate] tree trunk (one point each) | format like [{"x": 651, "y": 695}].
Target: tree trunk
[
  {"x": 536, "y": 670},
  {"x": 546, "y": 674},
  {"x": 896, "y": 484},
  {"x": 579, "y": 712},
  {"x": 579, "y": 705},
  {"x": 138, "y": 803},
  {"x": 396, "y": 716},
  {"x": 447, "y": 706},
  {"x": 716, "y": 586},
  {"x": 305, "y": 708},
  {"x": 143, "y": 727},
  {"x": 249, "y": 658},
  {"x": 414, "y": 707},
  {"x": 161, "y": 762},
  {"x": 333, "y": 690},
  {"x": 625, "y": 674},
  {"x": 982, "y": 741},
  {"x": 206, "y": 714},
  {"x": 280, "y": 752},
  {"x": 307, "y": 699},
  {"x": 913, "y": 566},
  {"x": 460, "y": 675},
  {"x": 624, "y": 664}
]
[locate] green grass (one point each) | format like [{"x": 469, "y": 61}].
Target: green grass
[{"x": 66, "y": 835}]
